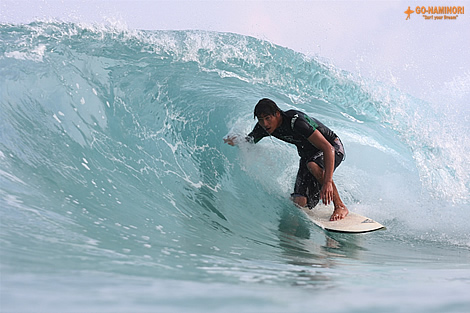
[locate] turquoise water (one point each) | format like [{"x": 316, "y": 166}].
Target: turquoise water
[{"x": 117, "y": 193}]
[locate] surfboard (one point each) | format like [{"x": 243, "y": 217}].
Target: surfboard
[{"x": 352, "y": 223}]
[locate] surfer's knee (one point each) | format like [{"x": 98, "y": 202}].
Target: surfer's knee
[
  {"x": 299, "y": 200},
  {"x": 316, "y": 170}
]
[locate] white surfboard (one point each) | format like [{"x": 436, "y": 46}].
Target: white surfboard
[{"x": 352, "y": 223}]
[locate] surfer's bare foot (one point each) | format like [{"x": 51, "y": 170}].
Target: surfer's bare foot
[{"x": 339, "y": 213}]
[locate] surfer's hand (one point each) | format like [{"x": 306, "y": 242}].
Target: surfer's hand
[
  {"x": 230, "y": 140},
  {"x": 326, "y": 193}
]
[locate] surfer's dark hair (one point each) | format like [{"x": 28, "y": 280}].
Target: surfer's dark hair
[{"x": 266, "y": 107}]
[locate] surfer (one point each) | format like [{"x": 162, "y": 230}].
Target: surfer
[{"x": 319, "y": 148}]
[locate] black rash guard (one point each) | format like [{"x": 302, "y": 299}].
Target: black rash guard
[{"x": 295, "y": 128}]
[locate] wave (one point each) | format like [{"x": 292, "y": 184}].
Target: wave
[{"x": 111, "y": 147}]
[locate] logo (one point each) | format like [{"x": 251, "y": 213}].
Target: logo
[
  {"x": 292, "y": 122},
  {"x": 436, "y": 13},
  {"x": 367, "y": 221},
  {"x": 409, "y": 12}
]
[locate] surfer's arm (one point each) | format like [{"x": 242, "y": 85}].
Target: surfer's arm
[
  {"x": 319, "y": 141},
  {"x": 256, "y": 135},
  {"x": 233, "y": 140},
  {"x": 230, "y": 140}
]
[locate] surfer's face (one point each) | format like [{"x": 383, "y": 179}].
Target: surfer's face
[{"x": 270, "y": 122}]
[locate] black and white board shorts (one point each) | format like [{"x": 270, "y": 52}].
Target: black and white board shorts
[{"x": 306, "y": 185}]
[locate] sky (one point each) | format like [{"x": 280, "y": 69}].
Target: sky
[{"x": 426, "y": 58}]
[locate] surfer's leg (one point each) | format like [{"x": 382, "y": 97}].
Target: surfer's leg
[
  {"x": 340, "y": 210},
  {"x": 302, "y": 195},
  {"x": 299, "y": 200}
]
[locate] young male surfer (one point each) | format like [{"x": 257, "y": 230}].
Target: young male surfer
[{"x": 319, "y": 148}]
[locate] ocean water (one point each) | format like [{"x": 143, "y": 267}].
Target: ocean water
[{"x": 117, "y": 193}]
